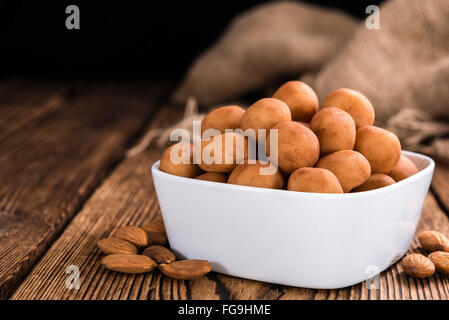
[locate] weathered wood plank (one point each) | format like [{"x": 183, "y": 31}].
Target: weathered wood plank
[
  {"x": 22, "y": 104},
  {"x": 127, "y": 197},
  {"x": 57, "y": 142}
]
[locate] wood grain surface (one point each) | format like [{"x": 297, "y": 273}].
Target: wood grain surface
[
  {"x": 57, "y": 142},
  {"x": 440, "y": 185},
  {"x": 127, "y": 197}
]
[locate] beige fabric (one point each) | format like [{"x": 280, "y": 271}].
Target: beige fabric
[{"x": 403, "y": 67}]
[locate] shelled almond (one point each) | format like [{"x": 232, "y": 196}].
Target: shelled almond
[
  {"x": 433, "y": 241},
  {"x": 133, "y": 234},
  {"x": 115, "y": 245},
  {"x": 155, "y": 233},
  {"x": 419, "y": 266},
  {"x": 123, "y": 246},
  {"x": 441, "y": 261},
  {"x": 186, "y": 269},
  {"x": 159, "y": 254},
  {"x": 129, "y": 263}
]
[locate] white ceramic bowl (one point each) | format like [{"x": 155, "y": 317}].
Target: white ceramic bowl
[{"x": 293, "y": 238}]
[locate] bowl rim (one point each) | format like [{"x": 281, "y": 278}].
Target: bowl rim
[{"x": 427, "y": 170}]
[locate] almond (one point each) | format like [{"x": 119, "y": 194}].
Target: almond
[
  {"x": 156, "y": 232},
  {"x": 158, "y": 221},
  {"x": 441, "y": 261},
  {"x": 186, "y": 269},
  {"x": 128, "y": 263},
  {"x": 133, "y": 234},
  {"x": 115, "y": 245},
  {"x": 157, "y": 225},
  {"x": 417, "y": 266},
  {"x": 157, "y": 238},
  {"x": 433, "y": 241},
  {"x": 159, "y": 254}
]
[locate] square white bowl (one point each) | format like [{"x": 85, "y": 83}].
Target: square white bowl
[{"x": 292, "y": 238}]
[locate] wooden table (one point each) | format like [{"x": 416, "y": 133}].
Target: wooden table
[{"x": 65, "y": 183}]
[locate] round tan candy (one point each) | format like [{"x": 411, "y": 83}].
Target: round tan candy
[
  {"x": 354, "y": 103},
  {"x": 264, "y": 114},
  {"x": 232, "y": 148},
  {"x": 335, "y": 130},
  {"x": 375, "y": 181},
  {"x": 300, "y": 98},
  {"x": 350, "y": 167},
  {"x": 403, "y": 169},
  {"x": 227, "y": 117},
  {"x": 182, "y": 164},
  {"x": 381, "y": 147},
  {"x": 247, "y": 174},
  {"x": 316, "y": 180},
  {"x": 298, "y": 146},
  {"x": 213, "y": 176}
]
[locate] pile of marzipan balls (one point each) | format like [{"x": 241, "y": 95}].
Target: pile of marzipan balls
[{"x": 335, "y": 149}]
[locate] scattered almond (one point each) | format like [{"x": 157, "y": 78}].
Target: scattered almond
[
  {"x": 441, "y": 261},
  {"x": 123, "y": 247},
  {"x": 186, "y": 269},
  {"x": 133, "y": 234},
  {"x": 158, "y": 221},
  {"x": 418, "y": 266},
  {"x": 157, "y": 238},
  {"x": 159, "y": 254},
  {"x": 156, "y": 232},
  {"x": 157, "y": 225},
  {"x": 115, "y": 245},
  {"x": 129, "y": 263},
  {"x": 433, "y": 241}
]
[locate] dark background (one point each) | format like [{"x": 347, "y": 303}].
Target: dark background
[{"x": 119, "y": 39}]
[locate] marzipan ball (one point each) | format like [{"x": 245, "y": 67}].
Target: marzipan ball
[
  {"x": 247, "y": 174},
  {"x": 213, "y": 176},
  {"x": 381, "y": 147},
  {"x": 264, "y": 114},
  {"x": 300, "y": 98},
  {"x": 403, "y": 169},
  {"x": 335, "y": 130},
  {"x": 350, "y": 167},
  {"x": 184, "y": 153},
  {"x": 314, "y": 180},
  {"x": 298, "y": 146},
  {"x": 223, "y": 118},
  {"x": 229, "y": 154},
  {"x": 375, "y": 181},
  {"x": 354, "y": 103}
]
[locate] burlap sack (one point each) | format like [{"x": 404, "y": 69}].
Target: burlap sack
[{"x": 403, "y": 67}]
